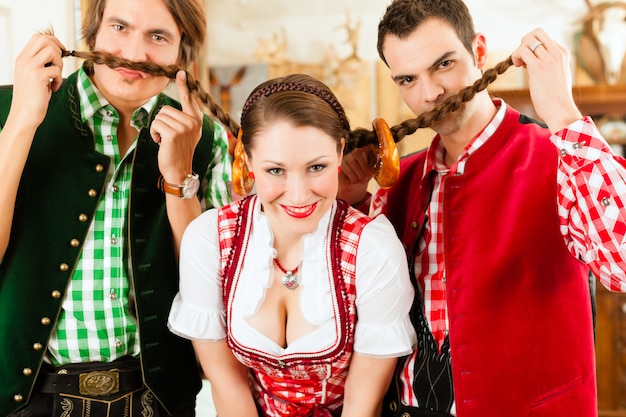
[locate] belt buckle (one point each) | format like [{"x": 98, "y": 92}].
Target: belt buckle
[{"x": 99, "y": 383}]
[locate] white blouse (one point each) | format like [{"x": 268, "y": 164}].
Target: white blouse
[{"x": 384, "y": 291}]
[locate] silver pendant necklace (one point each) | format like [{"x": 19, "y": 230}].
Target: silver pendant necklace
[{"x": 290, "y": 279}]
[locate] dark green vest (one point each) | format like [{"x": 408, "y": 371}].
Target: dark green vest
[{"x": 63, "y": 181}]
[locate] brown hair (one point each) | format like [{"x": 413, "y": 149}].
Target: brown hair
[
  {"x": 404, "y": 16},
  {"x": 189, "y": 15},
  {"x": 297, "y": 98}
]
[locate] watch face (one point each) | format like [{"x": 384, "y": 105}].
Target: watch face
[{"x": 190, "y": 187}]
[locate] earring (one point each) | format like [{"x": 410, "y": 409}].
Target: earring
[
  {"x": 339, "y": 169},
  {"x": 243, "y": 181}
]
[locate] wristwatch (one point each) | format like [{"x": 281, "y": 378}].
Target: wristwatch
[{"x": 188, "y": 189}]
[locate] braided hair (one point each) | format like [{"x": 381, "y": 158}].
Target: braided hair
[{"x": 304, "y": 87}]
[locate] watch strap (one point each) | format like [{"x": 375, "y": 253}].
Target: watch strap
[{"x": 166, "y": 187}]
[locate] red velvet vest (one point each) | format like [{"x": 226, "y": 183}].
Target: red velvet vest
[{"x": 521, "y": 331}]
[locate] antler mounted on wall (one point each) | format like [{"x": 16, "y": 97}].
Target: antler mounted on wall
[
  {"x": 225, "y": 88},
  {"x": 601, "y": 44}
]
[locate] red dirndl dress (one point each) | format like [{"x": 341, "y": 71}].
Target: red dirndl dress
[{"x": 297, "y": 385}]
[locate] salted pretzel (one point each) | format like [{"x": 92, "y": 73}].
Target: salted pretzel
[
  {"x": 242, "y": 182},
  {"x": 388, "y": 163}
]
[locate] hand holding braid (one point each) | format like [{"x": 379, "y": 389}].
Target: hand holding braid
[{"x": 358, "y": 138}]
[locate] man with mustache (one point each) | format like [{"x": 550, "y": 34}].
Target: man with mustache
[{"x": 102, "y": 173}]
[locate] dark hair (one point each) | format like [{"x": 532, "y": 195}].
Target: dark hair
[
  {"x": 404, "y": 16},
  {"x": 297, "y": 98},
  {"x": 189, "y": 15}
]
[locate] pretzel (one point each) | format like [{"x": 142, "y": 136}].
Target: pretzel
[
  {"x": 388, "y": 164},
  {"x": 242, "y": 183}
]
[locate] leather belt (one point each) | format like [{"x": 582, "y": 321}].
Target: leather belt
[{"x": 93, "y": 383}]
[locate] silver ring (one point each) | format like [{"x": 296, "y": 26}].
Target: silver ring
[{"x": 535, "y": 45}]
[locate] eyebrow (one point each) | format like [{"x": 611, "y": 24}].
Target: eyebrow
[
  {"x": 317, "y": 160},
  {"x": 156, "y": 31},
  {"x": 443, "y": 57}
]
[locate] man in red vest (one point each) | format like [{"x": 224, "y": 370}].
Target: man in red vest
[{"x": 502, "y": 217}]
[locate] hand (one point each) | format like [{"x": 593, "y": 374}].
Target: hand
[
  {"x": 357, "y": 169},
  {"x": 39, "y": 62},
  {"x": 549, "y": 79},
  {"x": 178, "y": 133}
]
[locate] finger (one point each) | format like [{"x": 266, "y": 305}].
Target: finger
[
  {"x": 170, "y": 123},
  {"x": 524, "y": 52},
  {"x": 536, "y": 47},
  {"x": 358, "y": 165},
  {"x": 187, "y": 101},
  {"x": 50, "y": 55},
  {"x": 155, "y": 135},
  {"x": 348, "y": 173},
  {"x": 367, "y": 158},
  {"x": 53, "y": 77},
  {"x": 56, "y": 55},
  {"x": 158, "y": 129},
  {"x": 48, "y": 50},
  {"x": 55, "y": 41}
]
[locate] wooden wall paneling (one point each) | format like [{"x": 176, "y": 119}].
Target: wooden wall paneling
[{"x": 611, "y": 353}]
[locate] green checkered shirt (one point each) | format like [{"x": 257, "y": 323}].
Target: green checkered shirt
[{"x": 96, "y": 323}]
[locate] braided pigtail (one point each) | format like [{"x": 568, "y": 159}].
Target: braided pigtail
[
  {"x": 384, "y": 138},
  {"x": 357, "y": 138},
  {"x": 169, "y": 71}
]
